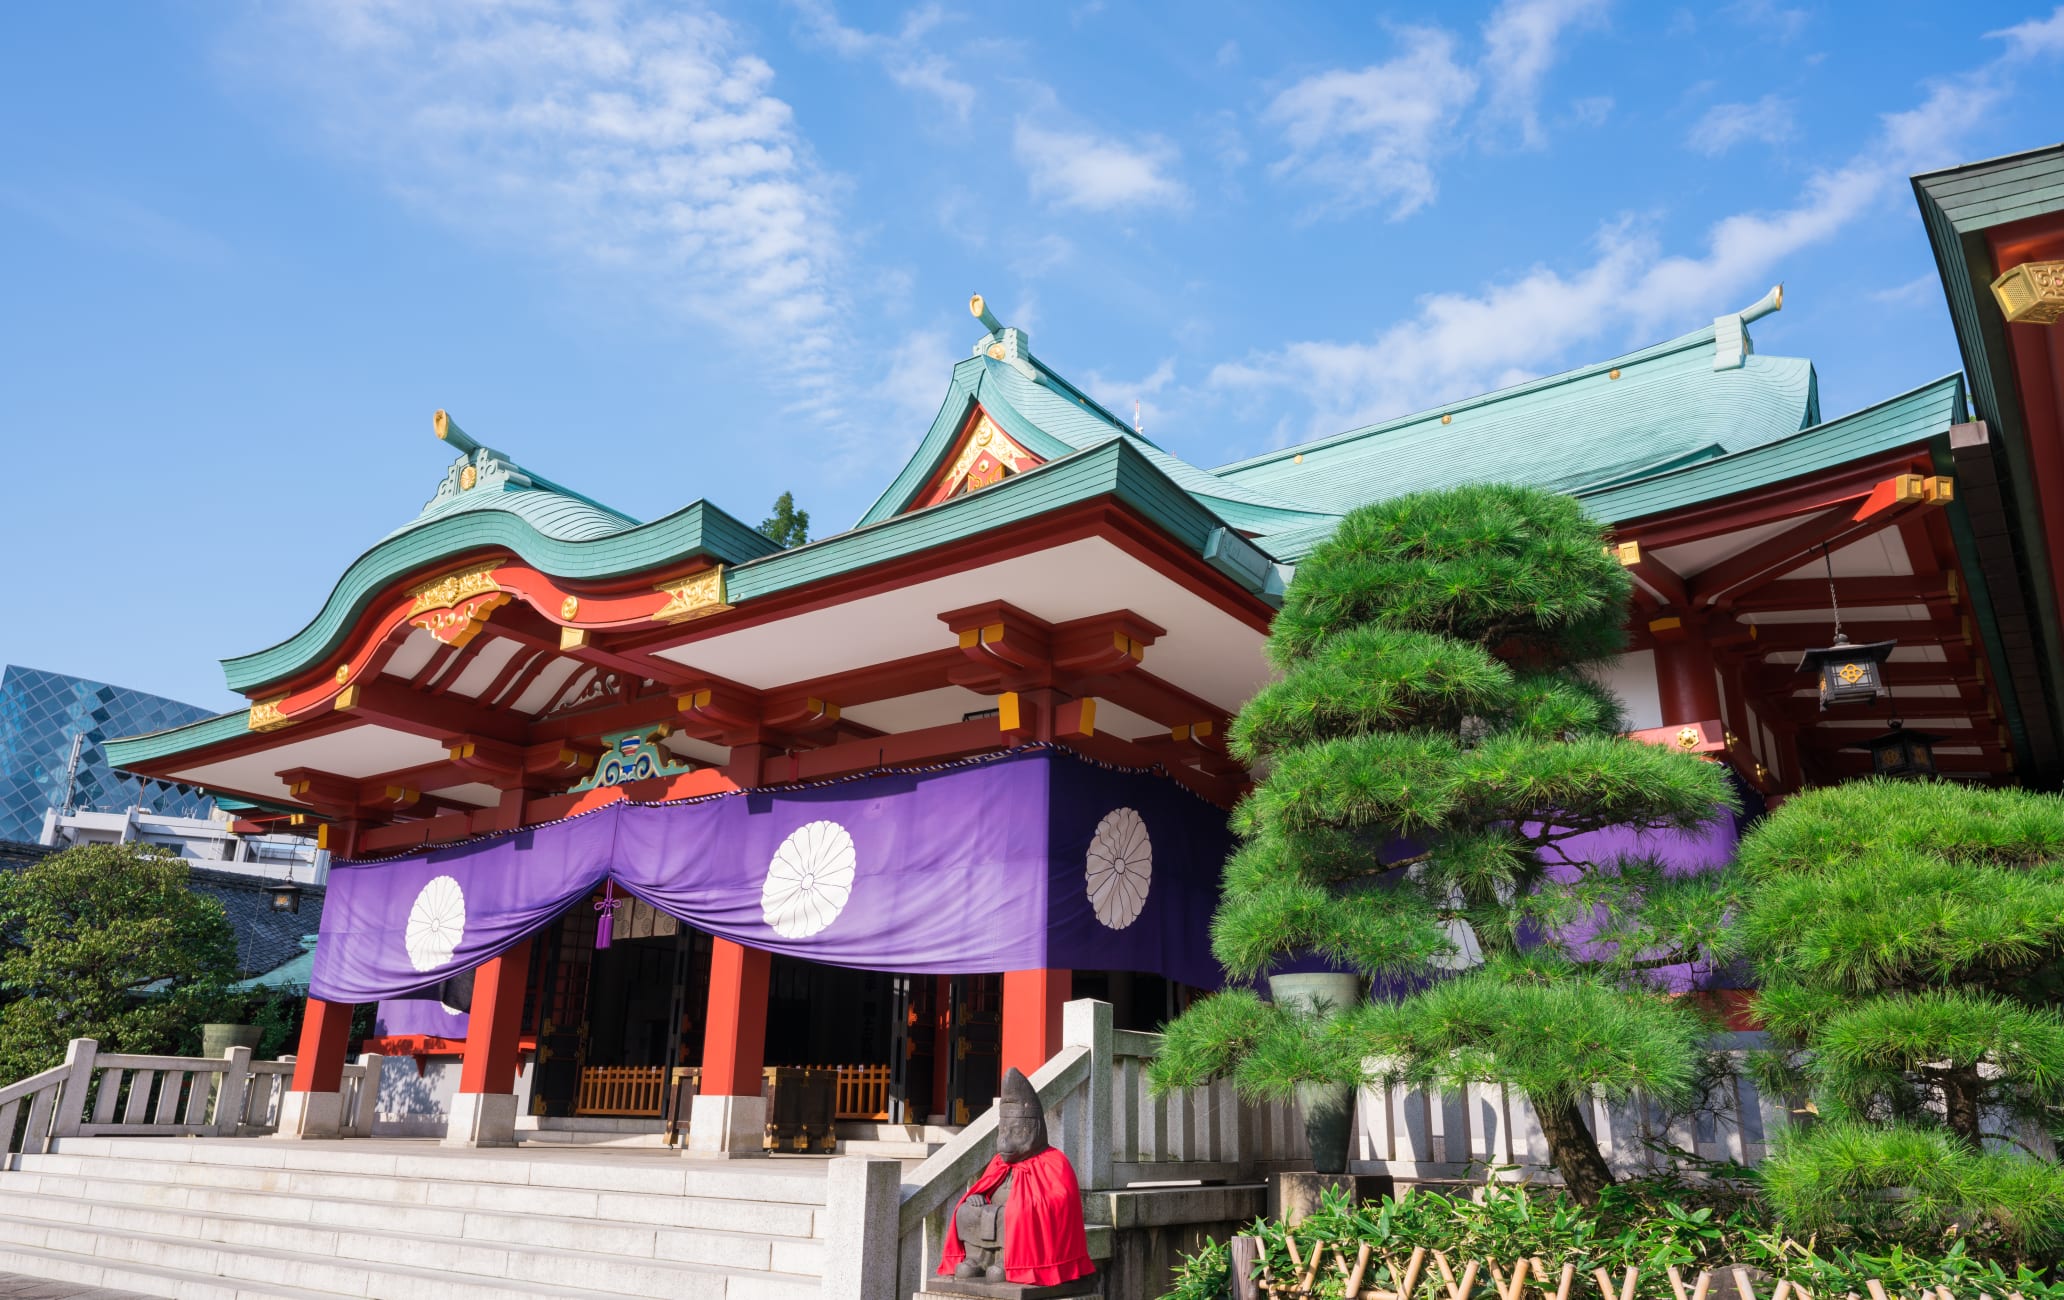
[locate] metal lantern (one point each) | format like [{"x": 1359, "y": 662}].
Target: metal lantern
[
  {"x": 1849, "y": 674},
  {"x": 286, "y": 897},
  {"x": 1900, "y": 752}
]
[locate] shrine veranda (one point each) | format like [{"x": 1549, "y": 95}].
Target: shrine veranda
[{"x": 885, "y": 801}]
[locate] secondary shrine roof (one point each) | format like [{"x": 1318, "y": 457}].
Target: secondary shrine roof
[{"x": 1640, "y": 413}]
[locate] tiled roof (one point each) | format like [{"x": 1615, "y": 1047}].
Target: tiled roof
[
  {"x": 265, "y": 938},
  {"x": 1616, "y": 419}
]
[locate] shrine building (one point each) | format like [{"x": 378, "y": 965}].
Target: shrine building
[{"x": 618, "y": 803}]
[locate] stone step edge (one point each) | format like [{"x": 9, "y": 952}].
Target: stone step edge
[
  {"x": 419, "y": 1240},
  {"x": 125, "y": 1275},
  {"x": 141, "y": 1149},
  {"x": 528, "y": 1215},
  {"x": 429, "y": 1277}
]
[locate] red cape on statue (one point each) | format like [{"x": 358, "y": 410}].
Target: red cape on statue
[{"x": 1043, "y": 1241}]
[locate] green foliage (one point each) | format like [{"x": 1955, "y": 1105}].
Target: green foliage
[
  {"x": 1908, "y": 937},
  {"x": 1541, "y": 1024},
  {"x": 1909, "y": 1186},
  {"x": 787, "y": 525},
  {"x": 107, "y": 942},
  {"x": 1433, "y": 749},
  {"x": 1651, "y": 1226}
]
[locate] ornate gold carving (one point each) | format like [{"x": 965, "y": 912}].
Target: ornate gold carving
[
  {"x": 1850, "y": 674},
  {"x": 266, "y": 715},
  {"x": 569, "y": 607},
  {"x": 468, "y": 477},
  {"x": 1689, "y": 738},
  {"x": 445, "y": 592},
  {"x": 692, "y": 597},
  {"x": 343, "y": 673},
  {"x": 986, "y": 438},
  {"x": 462, "y": 622},
  {"x": 2032, "y": 293}
]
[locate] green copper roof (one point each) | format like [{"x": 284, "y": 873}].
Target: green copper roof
[
  {"x": 1115, "y": 468},
  {"x": 1668, "y": 404},
  {"x": 699, "y": 530},
  {"x": 1050, "y": 417},
  {"x": 1910, "y": 419},
  {"x": 485, "y": 479}
]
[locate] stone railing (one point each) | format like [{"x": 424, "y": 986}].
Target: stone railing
[
  {"x": 886, "y": 1231},
  {"x": 96, "y": 1093}
]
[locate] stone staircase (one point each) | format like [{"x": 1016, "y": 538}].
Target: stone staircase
[
  {"x": 906, "y": 1142},
  {"x": 216, "y": 1219}
]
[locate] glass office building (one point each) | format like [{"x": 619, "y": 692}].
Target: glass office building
[{"x": 41, "y": 712}]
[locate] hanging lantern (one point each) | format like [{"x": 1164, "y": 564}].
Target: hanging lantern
[
  {"x": 286, "y": 897},
  {"x": 1849, "y": 674},
  {"x": 1900, "y": 752}
]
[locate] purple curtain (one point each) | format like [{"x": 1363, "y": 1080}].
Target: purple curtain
[{"x": 1034, "y": 858}]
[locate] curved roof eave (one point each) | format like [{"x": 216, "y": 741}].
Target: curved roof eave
[{"x": 697, "y": 529}]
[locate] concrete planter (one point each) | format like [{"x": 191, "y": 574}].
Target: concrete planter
[
  {"x": 1328, "y": 1107},
  {"x": 217, "y": 1039}
]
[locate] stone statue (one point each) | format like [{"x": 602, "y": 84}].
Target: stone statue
[{"x": 1021, "y": 1222}]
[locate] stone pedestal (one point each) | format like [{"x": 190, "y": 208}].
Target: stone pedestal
[
  {"x": 727, "y": 1127},
  {"x": 970, "y": 1290},
  {"x": 482, "y": 1119},
  {"x": 1294, "y": 1195},
  {"x": 311, "y": 1115}
]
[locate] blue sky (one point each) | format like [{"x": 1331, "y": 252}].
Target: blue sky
[{"x": 663, "y": 253}]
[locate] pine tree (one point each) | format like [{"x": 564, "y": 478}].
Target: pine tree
[
  {"x": 1908, "y": 938},
  {"x": 1432, "y": 749},
  {"x": 787, "y": 525}
]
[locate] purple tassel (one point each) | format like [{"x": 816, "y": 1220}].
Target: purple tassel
[{"x": 606, "y": 927}]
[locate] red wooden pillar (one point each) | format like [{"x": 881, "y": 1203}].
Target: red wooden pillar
[
  {"x": 314, "y": 1104},
  {"x": 1032, "y": 1001},
  {"x": 729, "y": 1114},
  {"x": 319, "y": 1059},
  {"x": 483, "y": 1111},
  {"x": 1685, "y": 682},
  {"x": 735, "y": 1040}
]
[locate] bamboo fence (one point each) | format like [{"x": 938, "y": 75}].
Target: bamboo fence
[{"x": 1507, "y": 1281}]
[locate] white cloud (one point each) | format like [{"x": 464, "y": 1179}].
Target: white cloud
[
  {"x": 903, "y": 56},
  {"x": 1926, "y": 287},
  {"x": 646, "y": 142},
  {"x": 1371, "y": 136},
  {"x": 1457, "y": 344},
  {"x": 916, "y": 380},
  {"x": 1034, "y": 257},
  {"x": 2036, "y": 37},
  {"x": 1770, "y": 18},
  {"x": 1521, "y": 42},
  {"x": 1098, "y": 173},
  {"x": 1118, "y": 395},
  {"x": 1723, "y": 126}
]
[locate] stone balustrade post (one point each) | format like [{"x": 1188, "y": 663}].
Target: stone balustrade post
[
  {"x": 368, "y": 1110},
  {"x": 234, "y": 1093},
  {"x": 71, "y": 1094},
  {"x": 862, "y": 1201},
  {"x": 1088, "y": 1023}
]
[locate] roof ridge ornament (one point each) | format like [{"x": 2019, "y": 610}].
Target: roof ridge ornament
[
  {"x": 1005, "y": 343},
  {"x": 478, "y": 466},
  {"x": 1732, "y": 345}
]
